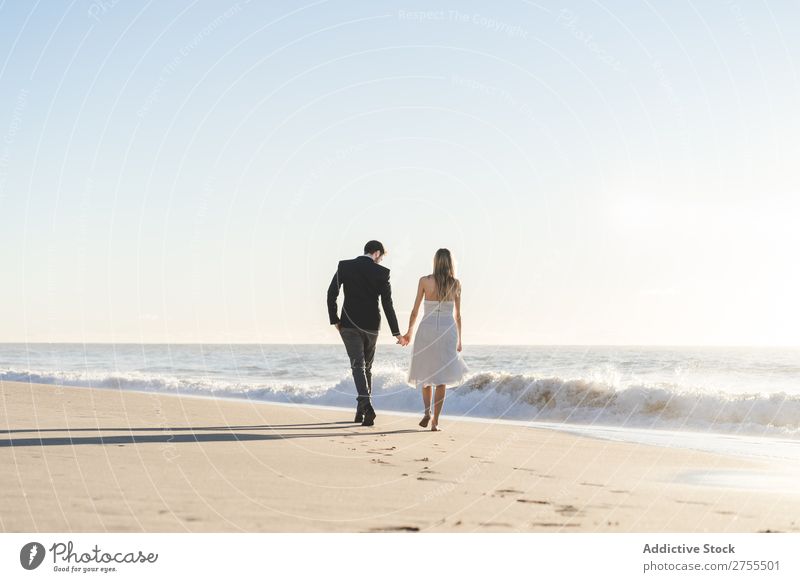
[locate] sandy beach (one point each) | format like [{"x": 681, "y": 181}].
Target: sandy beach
[{"x": 80, "y": 460}]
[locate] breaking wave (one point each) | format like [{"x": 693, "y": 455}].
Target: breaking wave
[{"x": 526, "y": 397}]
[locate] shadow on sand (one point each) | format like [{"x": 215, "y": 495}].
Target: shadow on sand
[{"x": 196, "y": 434}]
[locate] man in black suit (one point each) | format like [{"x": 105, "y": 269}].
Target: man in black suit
[{"x": 364, "y": 281}]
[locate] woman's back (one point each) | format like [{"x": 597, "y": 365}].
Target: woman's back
[{"x": 431, "y": 292}]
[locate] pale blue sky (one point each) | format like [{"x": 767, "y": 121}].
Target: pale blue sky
[{"x": 604, "y": 173}]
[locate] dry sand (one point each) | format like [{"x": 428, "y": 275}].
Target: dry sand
[{"x": 81, "y": 459}]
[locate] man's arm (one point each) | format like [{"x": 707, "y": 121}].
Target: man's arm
[
  {"x": 388, "y": 307},
  {"x": 333, "y": 294}
]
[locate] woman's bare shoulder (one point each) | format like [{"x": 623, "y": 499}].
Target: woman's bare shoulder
[{"x": 426, "y": 283}]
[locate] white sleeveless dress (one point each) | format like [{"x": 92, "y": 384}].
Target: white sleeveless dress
[{"x": 434, "y": 359}]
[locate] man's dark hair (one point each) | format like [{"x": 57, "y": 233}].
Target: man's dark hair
[{"x": 373, "y": 246}]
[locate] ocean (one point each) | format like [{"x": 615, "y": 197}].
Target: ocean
[
  {"x": 754, "y": 391},
  {"x": 740, "y": 400}
]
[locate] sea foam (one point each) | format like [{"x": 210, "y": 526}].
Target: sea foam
[{"x": 492, "y": 394}]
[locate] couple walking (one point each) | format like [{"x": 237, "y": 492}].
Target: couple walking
[{"x": 436, "y": 356}]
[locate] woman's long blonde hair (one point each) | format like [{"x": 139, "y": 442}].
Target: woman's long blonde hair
[{"x": 444, "y": 274}]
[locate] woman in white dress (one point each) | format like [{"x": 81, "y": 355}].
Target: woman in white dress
[{"x": 436, "y": 358}]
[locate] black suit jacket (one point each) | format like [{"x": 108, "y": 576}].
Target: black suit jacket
[{"x": 364, "y": 281}]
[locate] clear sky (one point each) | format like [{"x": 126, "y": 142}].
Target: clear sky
[{"x": 604, "y": 172}]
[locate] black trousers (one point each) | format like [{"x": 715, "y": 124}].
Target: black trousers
[{"x": 360, "y": 346}]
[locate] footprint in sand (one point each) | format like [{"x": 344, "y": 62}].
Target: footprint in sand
[
  {"x": 395, "y": 528},
  {"x": 504, "y": 492},
  {"x": 568, "y": 509},
  {"x": 381, "y": 462},
  {"x": 423, "y": 459},
  {"x": 538, "y": 501},
  {"x": 593, "y": 484},
  {"x": 434, "y": 479},
  {"x": 554, "y": 524}
]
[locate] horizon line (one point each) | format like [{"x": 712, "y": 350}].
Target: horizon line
[{"x": 217, "y": 343}]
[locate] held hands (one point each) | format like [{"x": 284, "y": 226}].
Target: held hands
[{"x": 402, "y": 340}]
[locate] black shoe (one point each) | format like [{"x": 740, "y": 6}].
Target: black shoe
[
  {"x": 359, "y": 411},
  {"x": 369, "y": 417}
]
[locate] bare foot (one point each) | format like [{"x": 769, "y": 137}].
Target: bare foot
[
  {"x": 425, "y": 419},
  {"x": 435, "y": 428}
]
